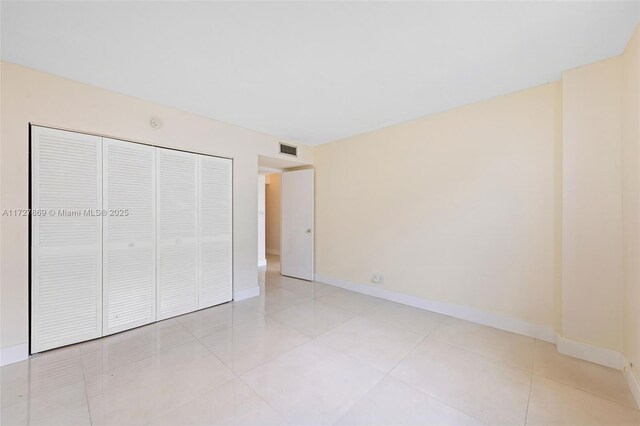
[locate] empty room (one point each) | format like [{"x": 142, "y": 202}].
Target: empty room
[{"x": 319, "y": 213}]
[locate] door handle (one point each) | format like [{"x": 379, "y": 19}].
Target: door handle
[{"x": 308, "y": 230}]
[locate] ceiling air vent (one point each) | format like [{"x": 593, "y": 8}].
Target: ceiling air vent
[{"x": 289, "y": 150}]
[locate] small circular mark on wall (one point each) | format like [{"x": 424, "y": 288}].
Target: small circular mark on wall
[{"x": 155, "y": 122}]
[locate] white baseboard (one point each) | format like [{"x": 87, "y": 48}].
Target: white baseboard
[
  {"x": 14, "y": 354},
  {"x": 20, "y": 352},
  {"x": 584, "y": 351},
  {"x": 592, "y": 353},
  {"x": 632, "y": 381},
  {"x": 274, "y": 252},
  {"x": 513, "y": 325},
  {"x": 262, "y": 262},
  {"x": 247, "y": 293}
]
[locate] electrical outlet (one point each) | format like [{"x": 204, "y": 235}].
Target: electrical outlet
[{"x": 377, "y": 278}]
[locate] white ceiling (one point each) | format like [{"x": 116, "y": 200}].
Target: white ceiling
[{"x": 313, "y": 71}]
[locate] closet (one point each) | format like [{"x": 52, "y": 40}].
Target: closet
[{"x": 122, "y": 235}]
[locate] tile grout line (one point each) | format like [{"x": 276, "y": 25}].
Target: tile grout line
[
  {"x": 156, "y": 353},
  {"x": 126, "y": 331},
  {"x": 353, "y": 315},
  {"x": 264, "y": 314},
  {"x": 261, "y": 363},
  {"x": 238, "y": 376},
  {"x": 212, "y": 354},
  {"x": 576, "y": 388},
  {"x": 486, "y": 357},
  {"x": 279, "y": 310},
  {"x": 533, "y": 361},
  {"x": 205, "y": 346},
  {"x": 84, "y": 383},
  {"x": 531, "y": 371},
  {"x": 312, "y": 339},
  {"x": 585, "y": 391},
  {"x": 426, "y": 393},
  {"x": 316, "y": 299},
  {"x": 210, "y": 351},
  {"x": 265, "y": 401},
  {"x": 390, "y": 370},
  {"x": 426, "y": 337},
  {"x": 526, "y": 414},
  {"x": 273, "y": 357},
  {"x": 553, "y": 379},
  {"x": 228, "y": 326},
  {"x": 86, "y": 394}
]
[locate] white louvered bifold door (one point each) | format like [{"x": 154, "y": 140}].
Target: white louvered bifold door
[
  {"x": 66, "y": 251},
  {"x": 177, "y": 224},
  {"x": 215, "y": 201},
  {"x": 129, "y": 233}
]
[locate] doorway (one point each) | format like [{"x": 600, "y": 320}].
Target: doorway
[
  {"x": 271, "y": 217},
  {"x": 285, "y": 219}
]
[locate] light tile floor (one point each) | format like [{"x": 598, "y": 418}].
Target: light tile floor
[{"x": 309, "y": 353}]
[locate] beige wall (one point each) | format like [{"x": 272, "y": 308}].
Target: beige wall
[
  {"x": 273, "y": 214},
  {"x": 460, "y": 207},
  {"x": 601, "y": 213},
  {"x": 631, "y": 197},
  {"x": 30, "y": 96},
  {"x": 592, "y": 284},
  {"x": 526, "y": 205}
]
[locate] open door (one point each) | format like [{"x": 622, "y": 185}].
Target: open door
[{"x": 296, "y": 246}]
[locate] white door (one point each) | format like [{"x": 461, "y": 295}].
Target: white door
[
  {"x": 296, "y": 251},
  {"x": 177, "y": 233},
  {"x": 215, "y": 231},
  {"x": 129, "y": 285},
  {"x": 66, "y": 238}
]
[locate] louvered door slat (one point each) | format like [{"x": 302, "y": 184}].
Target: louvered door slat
[
  {"x": 177, "y": 224},
  {"x": 129, "y": 287},
  {"x": 215, "y": 231},
  {"x": 66, "y": 249}
]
